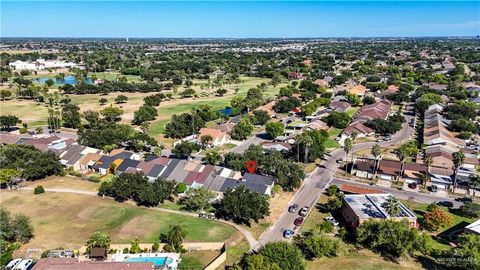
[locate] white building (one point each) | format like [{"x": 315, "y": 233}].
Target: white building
[{"x": 40, "y": 64}]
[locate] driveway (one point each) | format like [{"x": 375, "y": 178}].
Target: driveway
[{"x": 256, "y": 139}]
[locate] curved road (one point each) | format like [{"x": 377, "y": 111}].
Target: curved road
[
  {"x": 251, "y": 240},
  {"x": 320, "y": 178}
]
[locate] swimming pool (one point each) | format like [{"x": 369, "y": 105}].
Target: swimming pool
[{"x": 157, "y": 261}]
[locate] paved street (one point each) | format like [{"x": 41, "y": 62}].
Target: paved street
[{"x": 316, "y": 182}]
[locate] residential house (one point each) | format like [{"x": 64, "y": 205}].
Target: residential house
[
  {"x": 268, "y": 108},
  {"x": 340, "y": 106},
  {"x": 218, "y": 136},
  {"x": 321, "y": 83},
  {"x": 295, "y": 76},
  {"x": 277, "y": 146},
  {"x": 88, "y": 161},
  {"x": 358, "y": 90},
  {"x": 225, "y": 127}
]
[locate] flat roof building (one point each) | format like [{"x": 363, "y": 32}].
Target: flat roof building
[{"x": 358, "y": 208}]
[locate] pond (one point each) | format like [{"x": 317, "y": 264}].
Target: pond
[
  {"x": 227, "y": 111},
  {"x": 67, "y": 80}
]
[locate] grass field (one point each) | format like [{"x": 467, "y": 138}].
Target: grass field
[
  {"x": 67, "y": 220},
  {"x": 332, "y": 134},
  {"x": 361, "y": 260}
]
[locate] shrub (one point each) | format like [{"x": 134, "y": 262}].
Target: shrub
[
  {"x": 38, "y": 190},
  {"x": 332, "y": 190},
  {"x": 155, "y": 246},
  {"x": 181, "y": 188},
  {"x": 470, "y": 210},
  {"x": 94, "y": 179}
]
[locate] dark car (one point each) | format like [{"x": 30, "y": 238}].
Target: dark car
[
  {"x": 445, "y": 203},
  {"x": 293, "y": 208},
  {"x": 412, "y": 185},
  {"x": 298, "y": 221},
  {"x": 433, "y": 188},
  {"x": 463, "y": 199}
]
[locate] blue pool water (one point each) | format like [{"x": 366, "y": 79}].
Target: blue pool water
[
  {"x": 157, "y": 261},
  {"x": 226, "y": 111},
  {"x": 67, "y": 79}
]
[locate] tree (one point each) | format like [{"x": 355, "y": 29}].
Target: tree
[
  {"x": 427, "y": 161},
  {"x": 174, "y": 238},
  {"x": 34, "y": 164},
  {"x": 121, "y": 99},
  {"x": 185, "y": 149},
  {"x": 102, "y": 101},
  {"x": 8, "y": 121},
  {"x": 436, "y": 218},
  {"x": 470, "y": 209},
  {"x": 212, "y": 158},
  {"x": 135, "y": 246},
  {"x": 111, "y": 114},
  {"x": 317, "y": 245},
  {"x": 274, "y": 129},
  {"x": 337, "y": 119},
  {"x": 256, "y": 261},
  {"x": 242, "y": 130},
  {"x": 376, "y": 152},
  {"x": 393, "y": 239},
  {"x": 392, "y": 205},
  {"x": 242, "y": 205},
  {"x": 405, "y": 152},
  {"x": 143, "y": 114},
  {"x": 50, "y": 82},
  {"x": 368, "y": 100},
  {"x": 206, "y": 140},
  {"x": 458, "y": 161},
  {"x": 285, "y": 255},
  {"x": 198, "y": 199},
  {"x": 221, "y": 92},
  {"x": 347, "y": 147},
  {"x": 7, "y": 176},
  {"x": 98, "y": 240},
  {"x": 469, "y": 250},
  {"x": 260, "y": 117},
  {"x": 473, "y": 182},
  {"x": 286, "y": 105},
  {"x": 181, "y": 188},
  {"x": 71, "y": 116}
]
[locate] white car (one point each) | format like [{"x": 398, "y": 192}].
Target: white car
[{"x": 332, "y": 221}]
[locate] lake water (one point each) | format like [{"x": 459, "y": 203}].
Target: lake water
[{"x": 67, "y": 79}]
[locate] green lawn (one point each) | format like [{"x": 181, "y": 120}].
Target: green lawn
[
  {"x": 332, "y": 134},
  {"x": 458, "y": 222},
  {"x": 56, "y": 217},
  {"x": 352, "y": 111}
]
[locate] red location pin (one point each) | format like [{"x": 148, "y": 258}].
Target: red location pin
[{"x": 251, "y": 166}]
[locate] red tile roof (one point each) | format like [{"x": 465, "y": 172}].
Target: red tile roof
[{"x": 358, "y": 190}]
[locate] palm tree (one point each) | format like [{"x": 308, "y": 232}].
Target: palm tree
[
  {"x": 193, "y": 110},
  {"x": 428, "y": 161},
  {"x": 300, "y": 139},
  {"x": 474, "y": 182},
  {"x": 376, "y": 152},
  {"x": 98, "y": 239},
  {"x": 392, "y": 206},
  {"x": 347, "y": 147},
  {"x": 458, "y": 161},
  {"x": 175, "y": 237},
  {"x": 402, "y": 155}
]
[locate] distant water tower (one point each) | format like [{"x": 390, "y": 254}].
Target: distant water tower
[{"x": 127, "y": 39}]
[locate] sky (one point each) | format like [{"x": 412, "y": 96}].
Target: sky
[{"x": 238, "y": 19}]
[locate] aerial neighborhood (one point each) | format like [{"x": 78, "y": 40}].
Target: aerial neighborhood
[{"x": 242, "y": 153}]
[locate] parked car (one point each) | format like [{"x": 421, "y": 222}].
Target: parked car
[
  {"x": 298, "y": 221},
  {"x": 288, "y": 234},
  {"x": 445, "y": 203},
  {"x": 339, "y": 161},
  {"x": 304, "y": 211},
  {"x": 464, "y": 199},
  {"x": 412, "y": 185},
  {"x": 293, "y": 208},
  {"x": 433, "y": 188},
  {"x": 332, "y": 221}
]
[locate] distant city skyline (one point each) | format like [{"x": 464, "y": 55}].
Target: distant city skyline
[{"x": 221, "y": 19}]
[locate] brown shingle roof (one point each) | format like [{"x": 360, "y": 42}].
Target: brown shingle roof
[{"x": 73, "y": 264}]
